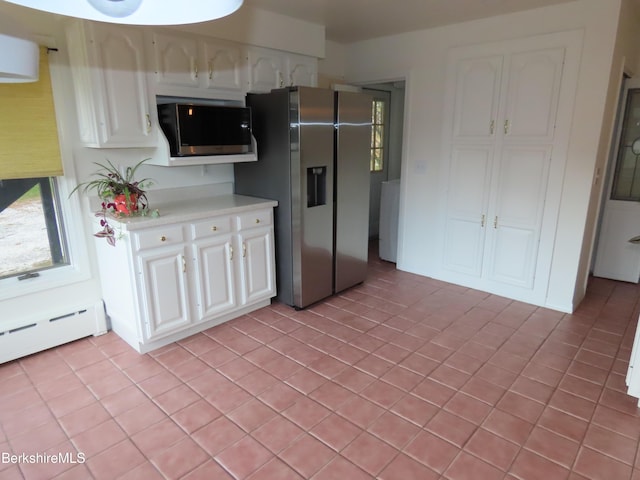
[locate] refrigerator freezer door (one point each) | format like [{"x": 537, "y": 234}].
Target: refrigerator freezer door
[
  {"x": 353, "y": 143},
  {"x": 312, "y": 193}
]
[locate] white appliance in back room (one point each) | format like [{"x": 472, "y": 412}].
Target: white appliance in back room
[
  {"x": 313, "y": 158},
  {"x": 389, "y": 214}
]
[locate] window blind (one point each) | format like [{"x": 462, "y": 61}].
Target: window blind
[{"x": 29, "y": 145}]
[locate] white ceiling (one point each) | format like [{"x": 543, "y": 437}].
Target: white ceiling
[{"x": 347, "y": 21}]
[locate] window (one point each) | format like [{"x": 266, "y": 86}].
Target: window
[
  {"x": 378, "y": 137},
  {"x": 31, "y": 234},
  {"x": 626, "y": 182}
]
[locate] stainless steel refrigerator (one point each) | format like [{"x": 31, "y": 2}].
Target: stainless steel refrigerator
[{"x": 313, "y": 158}]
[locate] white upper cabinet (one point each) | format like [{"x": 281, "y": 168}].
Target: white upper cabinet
[
  {"x": 477, "y": 98},
  {"x": 269, "y": 69},
  {"x": 266, "y": 69},
  {"x": 224, "y": 64},
  {"x": 175, "y": 59},
  {"x": 197, "y": 63},
  {"x": 108, "y": 70},
  {"x": 301, "y": 71},
  {"x": 533, "y": 75}
]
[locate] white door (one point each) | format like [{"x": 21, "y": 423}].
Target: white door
[
  {"x": 468, "y": 203},
  {"x": 525, "y": 146},
  {"x": 266, "y": 70},
  {"x": 257, "y": 276},
  {"x": 616, "y": 258},
  {"x": 125, "y": 113},
  {"x": 164, "y": 286},
  {"x": 514, "y": 228},
  {"x": 477, "y": 97},
  {"x": 176, "y": 59},
  {"x": 215, "y": 279},
  {"x": 224, "y": 66}
]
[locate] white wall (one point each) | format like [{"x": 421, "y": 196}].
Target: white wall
[{"x": 421, "y": 57}]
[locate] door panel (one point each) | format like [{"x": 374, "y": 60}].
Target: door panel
[
  {"x": 467, "y": 206},
  {"x": 164, "y": 284},
  {"x": 513, "y": 256},
  {"x": 616, "y": 258},
  {"x": 257, "y": 266},
  {"x": 517, "y": 216},
  {"x": 532, "y": 95},
  {"x": 353, "y": 139},
  {"x": 477, "y": 98},
  {"x": 214, "y": 270},
  {"x": 312, "y": 134}
]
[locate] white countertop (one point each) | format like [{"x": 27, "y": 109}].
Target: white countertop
[{"x": 193, "y": 209}]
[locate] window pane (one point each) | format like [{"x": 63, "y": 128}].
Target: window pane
[
  {"x": 377, "y": 135},
  {"x": 626, "y": 182},
  {"x": 30, "y": 238}
]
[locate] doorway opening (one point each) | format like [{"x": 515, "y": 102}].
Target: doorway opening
[
  {"x": 386, "y": 160},
  {"x": 615, "y": 257}
]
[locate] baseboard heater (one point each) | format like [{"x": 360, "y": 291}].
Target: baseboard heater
[{"x": 31, "y": 336}]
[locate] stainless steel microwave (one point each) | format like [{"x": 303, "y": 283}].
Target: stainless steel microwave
[{"x": 193, "y": 129}]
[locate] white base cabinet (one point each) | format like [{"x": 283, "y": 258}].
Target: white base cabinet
[{"x": 163, "y": 283}]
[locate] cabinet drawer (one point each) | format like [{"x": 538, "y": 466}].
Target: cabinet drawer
[
  {"x": 255, "y": 219},
  {"x": 158, "y": 237},
  {"x": 211, "y": 226}
]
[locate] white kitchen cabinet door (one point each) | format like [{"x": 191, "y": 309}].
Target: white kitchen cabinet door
[
  {"x": 257, "y": 273},
  {"x": 468, "y": 204},
  {"x": 163, "y": 286},
  {"x": 215, "y": 278},
  {"x": 224, "y": 66},
  {"x": 302, "y": 71},
  {"x": 265, "y": 69},
  {"x": 514, "y": 229},
  {"x": 478, "y": 83},
  {"x": 176, "y": 59},
  {"x": 108, "y": 70},
  {"x": 532, "y": 95}
]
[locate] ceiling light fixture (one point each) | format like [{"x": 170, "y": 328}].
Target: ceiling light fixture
[
  {"x": 137, "y": 12},
  {"x": 19, "y": 54}
]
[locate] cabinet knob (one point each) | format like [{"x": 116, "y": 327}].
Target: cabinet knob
[
  {"x": 257, "y": 220},
  {"x": 163, "y": 238},
  {"x": 214, "y": 228}
]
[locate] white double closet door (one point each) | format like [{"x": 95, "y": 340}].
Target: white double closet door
[{"x": 503, "y": 147}]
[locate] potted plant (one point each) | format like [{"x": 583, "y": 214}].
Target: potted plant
[{"x": 120, "y": 193}]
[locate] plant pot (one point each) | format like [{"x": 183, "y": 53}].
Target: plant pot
[{"x": 121, "y": 204}]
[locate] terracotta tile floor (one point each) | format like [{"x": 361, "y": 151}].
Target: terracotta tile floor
[{"x": 400, "y": 378}]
